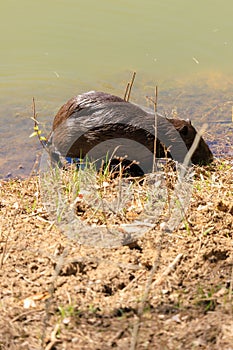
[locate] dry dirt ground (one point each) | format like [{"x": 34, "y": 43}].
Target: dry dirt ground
[{"x": 170, "y": 291}]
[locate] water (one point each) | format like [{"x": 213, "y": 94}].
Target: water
[{"x": 55, "y": 49}]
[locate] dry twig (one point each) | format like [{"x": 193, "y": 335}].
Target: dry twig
[
  {"x": 129, "y": 88},
  {"x": 167, "y": 271},
  {"x": 155, "y": 104},
  {"x": 53, "y": 338}
]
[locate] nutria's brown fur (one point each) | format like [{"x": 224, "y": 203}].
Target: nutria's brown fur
[{"x": 91, "y": 118}]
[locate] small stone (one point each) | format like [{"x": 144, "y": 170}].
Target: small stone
[{"x": 66, "y": 320}]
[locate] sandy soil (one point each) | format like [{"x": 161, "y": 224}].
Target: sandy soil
[{"x": 169, "y": 291}]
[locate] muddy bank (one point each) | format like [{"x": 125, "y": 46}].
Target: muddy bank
[{"x": 57, "y": 294}]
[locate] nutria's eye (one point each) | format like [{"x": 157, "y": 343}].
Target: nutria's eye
[
  {"x": 188, "y": 121},
  {"x": 184, "y": 130}
]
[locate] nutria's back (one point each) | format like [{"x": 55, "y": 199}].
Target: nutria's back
[
  {"x": 80, "y": 102},
  {"x": 92, "y": 118}
]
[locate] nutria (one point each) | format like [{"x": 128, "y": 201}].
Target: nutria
[{"x": 95, "y": 118}]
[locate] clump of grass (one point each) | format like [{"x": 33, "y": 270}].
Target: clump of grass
[
  {"x": 107, "y": 197},
  {"x": 68, "y": 311},
  {"x": 108, "y": 204}
]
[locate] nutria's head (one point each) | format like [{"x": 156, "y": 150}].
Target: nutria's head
[{"x": 202, "y": 154}]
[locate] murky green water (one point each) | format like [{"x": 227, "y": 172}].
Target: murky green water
[{"x": 55, "y": 49}]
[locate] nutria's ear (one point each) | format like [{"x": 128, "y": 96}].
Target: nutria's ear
[
  {"x": 188, "y": 121},
  {"x": 184, "y": 130}
]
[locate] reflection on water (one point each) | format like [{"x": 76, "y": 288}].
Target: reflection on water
[{"x": 55, "y": 49}]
